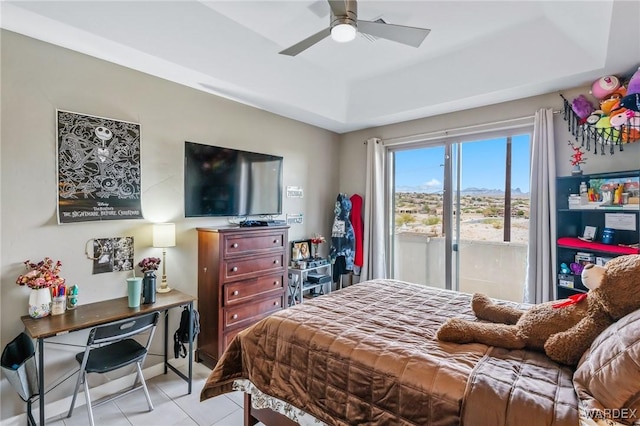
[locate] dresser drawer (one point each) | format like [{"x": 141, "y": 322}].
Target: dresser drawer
[
  {"x": 253, "y": 266},
  {"x": 237, "y": 245},
  {"x": 239, "y": 292},
  {"x": 249, "y": 313}
]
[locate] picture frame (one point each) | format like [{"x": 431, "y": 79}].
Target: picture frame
[
  {"x": 589, "y": 233},
  {"x": 300, "y": 250}
]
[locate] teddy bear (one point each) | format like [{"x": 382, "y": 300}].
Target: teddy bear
[{"x": 563, "y": 329}]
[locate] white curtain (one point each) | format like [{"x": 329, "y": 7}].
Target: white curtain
[
  {"x": 541, "y": 259},
  {"x": 375, "y": 260}
]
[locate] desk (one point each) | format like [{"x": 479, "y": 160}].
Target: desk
[{"x": 92, "y": 314}]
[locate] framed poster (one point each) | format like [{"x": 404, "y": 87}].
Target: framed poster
[{"x": 98, "y": 168}]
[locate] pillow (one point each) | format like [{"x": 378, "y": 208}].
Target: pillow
[{"x": 607, "y": 377}]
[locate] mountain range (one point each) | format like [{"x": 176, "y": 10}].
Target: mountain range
[{"x": 485, "y": 192}]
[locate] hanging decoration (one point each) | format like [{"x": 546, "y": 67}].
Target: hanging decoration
[{"x": 616, "y": 120}]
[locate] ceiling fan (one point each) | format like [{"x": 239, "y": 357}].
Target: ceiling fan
[{"x": 344, "y": 24}]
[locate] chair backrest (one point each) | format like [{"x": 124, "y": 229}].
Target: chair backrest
[{"x": 122, "y": 329}]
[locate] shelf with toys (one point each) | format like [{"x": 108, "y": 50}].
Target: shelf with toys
[
  {"x": 615, "y": 118},
  {"x": 597, "y": 218}
]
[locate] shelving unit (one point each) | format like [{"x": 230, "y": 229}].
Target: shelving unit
[
  {"x": 300, "y": 286},
  {"x": 571, "y": 222}
]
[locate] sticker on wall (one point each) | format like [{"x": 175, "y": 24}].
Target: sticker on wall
[
  {"x": 98, "y": 163},
  {"x": 294, "y": 219},
  {"x": 294, "y": 192},
  {"x": 111, "y": 254}
]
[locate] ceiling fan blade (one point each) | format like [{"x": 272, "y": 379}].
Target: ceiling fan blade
[
  {"x": 306, "y": 43},
  {"x": 338, "y": 7},
  {"x": 402, "y": 34}
]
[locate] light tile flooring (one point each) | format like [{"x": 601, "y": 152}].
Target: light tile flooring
[{"x": 172, "y": 406}]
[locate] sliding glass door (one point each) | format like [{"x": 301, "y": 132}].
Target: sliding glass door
[
  {"x": 419, "y": 236},
  {"x": 461, "y": 215}
]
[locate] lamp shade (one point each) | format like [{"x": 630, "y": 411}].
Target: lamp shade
[{"x": 164, "y": 234}]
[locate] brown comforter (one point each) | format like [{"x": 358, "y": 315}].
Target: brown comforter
[{"x": 368, "y": 355}]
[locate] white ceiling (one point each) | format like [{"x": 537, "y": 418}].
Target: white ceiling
[{"x": 478, "y": 52}]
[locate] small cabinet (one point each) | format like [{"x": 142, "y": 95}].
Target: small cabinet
[
  {"x": 575, "y": 214},
  {"x": 311, "y": 281},
  {"x": 241, "y": 279}
]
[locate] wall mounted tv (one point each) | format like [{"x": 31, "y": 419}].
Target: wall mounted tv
[{"x": 229, "y": 182}]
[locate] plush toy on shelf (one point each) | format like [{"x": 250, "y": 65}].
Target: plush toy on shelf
[
  {"x": 632, "y": 99},
  {"x": 563, "y": 329}
]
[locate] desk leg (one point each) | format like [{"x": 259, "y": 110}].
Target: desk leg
[
  {"x": 187, "y": 378},
  {"x": 166, "y": 339},
  {"x": 41, "y": 378}
]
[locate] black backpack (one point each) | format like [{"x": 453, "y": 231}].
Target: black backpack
[{"x": 181, "y": 336}]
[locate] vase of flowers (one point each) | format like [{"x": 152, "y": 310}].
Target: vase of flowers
[
  {"x": 149, "y": 266},
  {"x": 577, "y": 158},
  {"x": 40, "y": 278},
  {"x": 316, "y": 240}
]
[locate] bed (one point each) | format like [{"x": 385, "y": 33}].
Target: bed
[{"x": 368, "y": 354}]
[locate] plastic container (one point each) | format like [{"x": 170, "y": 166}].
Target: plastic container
[
  {"x": 584, "y": 193},
  {"x": 58, "y": 305}
]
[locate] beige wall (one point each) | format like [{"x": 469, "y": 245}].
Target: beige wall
[{"x": 37, "y": 78}]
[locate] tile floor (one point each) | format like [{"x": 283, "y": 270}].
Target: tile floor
[{"x": 172, "y": 406}]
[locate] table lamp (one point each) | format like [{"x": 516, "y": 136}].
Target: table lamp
[{"x": 164, "y": 235}]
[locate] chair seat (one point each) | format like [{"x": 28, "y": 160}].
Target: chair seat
[{"x": 113, "y": 356}]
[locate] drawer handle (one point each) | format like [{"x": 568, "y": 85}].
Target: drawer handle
[
  {"x": 276, "y": 303},
  {"x": 276, "y": 241},
  {"x": 235, "y": 293},
  {"x": 234, "y": 269},
  {"x": 205, "y": 269},
  {"x": 234, "y": 316},
  {"x": 276, "y": 282},
  {"x": 276, "y": 261},
  {"x": 234, "y": 245}
]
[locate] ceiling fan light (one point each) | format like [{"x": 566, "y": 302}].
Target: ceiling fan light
[{"x": 343, "y": 33}]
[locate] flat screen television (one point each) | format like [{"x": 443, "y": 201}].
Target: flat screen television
[{"x": 229, "y": 182}]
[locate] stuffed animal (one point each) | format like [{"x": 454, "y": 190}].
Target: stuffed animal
[
  {"x": 563, "y": 329},
  {"x": 630, "y": 120},
  {"x": 605, "y": 86},
  {"x": 582, "y": 107},
  {"x": 632, "y": 99}
]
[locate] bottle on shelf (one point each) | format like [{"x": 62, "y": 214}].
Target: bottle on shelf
[{"x": 584, "y": 191}]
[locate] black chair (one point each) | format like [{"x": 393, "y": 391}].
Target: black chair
[{"x": 111, "y": 347}]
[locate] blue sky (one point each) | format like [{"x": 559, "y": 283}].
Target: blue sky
[{"x": 483, "y": 164}]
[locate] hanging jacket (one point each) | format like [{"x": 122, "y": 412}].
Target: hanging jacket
[
  {"x": 358, "y": 228},
  {"x": 342, "y": 235}
]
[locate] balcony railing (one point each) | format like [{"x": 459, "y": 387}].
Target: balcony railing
[{"x": 497, "y": 269}]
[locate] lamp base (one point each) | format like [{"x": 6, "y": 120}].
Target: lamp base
[{"x": 163, "y": 289}]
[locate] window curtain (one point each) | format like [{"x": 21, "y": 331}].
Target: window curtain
[
  {"x": 375, "y": 259},
  {"x": 541, "y": 257}
]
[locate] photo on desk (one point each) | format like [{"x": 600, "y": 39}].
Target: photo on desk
[{"x": 300, "y": 250}]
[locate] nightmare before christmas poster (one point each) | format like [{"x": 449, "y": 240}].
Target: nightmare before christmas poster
[{"x": 98, "y": 168}]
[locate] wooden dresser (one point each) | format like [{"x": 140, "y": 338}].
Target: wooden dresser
[{"x": 241, "y": 279}]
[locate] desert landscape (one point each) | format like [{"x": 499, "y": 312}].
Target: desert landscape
[{"x": 481, "y": 215}]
